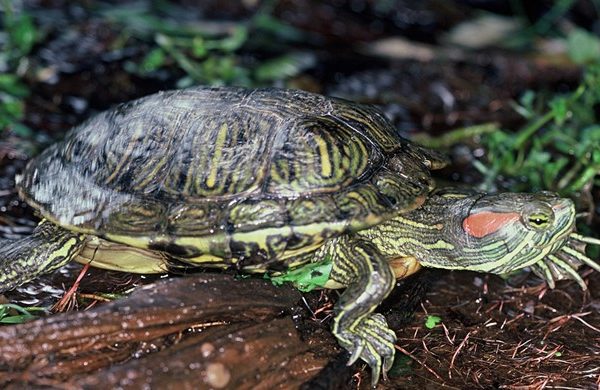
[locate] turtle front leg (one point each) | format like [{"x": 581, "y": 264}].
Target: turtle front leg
[
  {"x": 46, "y": 249},
  {"x": 360, "y": 266}
]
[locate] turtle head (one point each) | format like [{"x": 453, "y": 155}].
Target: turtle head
[
  {"x": 513, "y": 231},
  {"x": 501, "y": 233}
]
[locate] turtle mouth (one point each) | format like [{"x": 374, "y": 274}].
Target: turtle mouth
[
  {"x": 563, "y": 262},
  {"x": 568, "y": 253}
]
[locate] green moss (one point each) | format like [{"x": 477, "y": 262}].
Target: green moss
[{"x": 307, "y": 277}]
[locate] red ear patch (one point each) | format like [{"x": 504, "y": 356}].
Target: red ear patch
[{"x": 487, "y": 222}]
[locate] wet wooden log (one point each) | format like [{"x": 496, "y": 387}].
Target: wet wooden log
[
  {"x": 257, "y": 356},
  {"x": 199, "y": 331}
]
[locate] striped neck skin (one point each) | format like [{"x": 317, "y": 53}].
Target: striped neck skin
[{"x": 478, "y": 232}]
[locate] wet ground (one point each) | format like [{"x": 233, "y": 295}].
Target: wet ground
[{"x": 492, "y": 333}]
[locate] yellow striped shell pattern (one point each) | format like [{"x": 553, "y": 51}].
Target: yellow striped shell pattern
[{"x": 226, "y": 175}]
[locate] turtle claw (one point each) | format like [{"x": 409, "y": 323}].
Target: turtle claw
[
  {"x": 372, "y": 341},
  {"x": 359, "y": 347}
]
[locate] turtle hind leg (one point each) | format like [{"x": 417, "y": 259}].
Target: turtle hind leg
[
  {"x": 369, "y": 278},
  {"x": 49, "y": 247}
]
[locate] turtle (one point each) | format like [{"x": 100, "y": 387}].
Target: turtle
[{"x": 271, "y": 180}]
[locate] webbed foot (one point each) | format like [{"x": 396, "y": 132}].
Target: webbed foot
[{"x": 372, "y": 341}]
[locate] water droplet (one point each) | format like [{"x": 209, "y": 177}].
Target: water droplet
[{"x": 217, "y": 375}]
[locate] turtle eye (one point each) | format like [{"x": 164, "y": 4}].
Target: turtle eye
[{"x": 538, "y": 218}]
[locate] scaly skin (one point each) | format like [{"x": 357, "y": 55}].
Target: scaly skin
[
  {"x": 49, "y": 247},
  {"x": 478, "y": 232},
  {"x": 369, "y": 278},
  {"x": 453, "y": 230}
]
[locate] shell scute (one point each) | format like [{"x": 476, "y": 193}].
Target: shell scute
[
  {"x": 318, "y": 155},
  {"x": 308, "y": 210},
  {"x": 222, "y": 171},
  {"x": 252, "y": 214}
]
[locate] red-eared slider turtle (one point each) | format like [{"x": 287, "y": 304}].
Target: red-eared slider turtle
[{"x": 268, "y": 180}]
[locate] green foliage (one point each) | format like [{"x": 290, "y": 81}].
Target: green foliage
[
  {"x": 15, "y": 314},
  {"x": 12, "y": 93},
  {"x": 18, "y": 35},
  {"x": 209, "y": 53},
  {"x": 559, "y": 147},
  {"x": 283, "y": 67},
  {"x": 583, "y": 47},
  {"x": 432, "y": 321},
  {"x": 307, "y": 277}
]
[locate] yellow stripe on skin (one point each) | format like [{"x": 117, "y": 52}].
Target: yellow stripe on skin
[
  {"x": 547, "y": 273},
  {"x": 64, "y": 250},
  {"x": 439, "y": 244},
  {"x": 489, "y": 247},
  {"x": 486, "y": 267},
  {"x": 418, "y": 225},
  {"x": 568, "y": 270}
]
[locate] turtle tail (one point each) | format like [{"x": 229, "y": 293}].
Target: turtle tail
[{"x": 46, "y": 249}]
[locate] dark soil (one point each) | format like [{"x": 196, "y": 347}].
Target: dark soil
[{"x": 495, "y": 335}]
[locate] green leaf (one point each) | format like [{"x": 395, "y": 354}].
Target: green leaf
[
  {"x": 11, "y": 111},
  {"x": 583, "y": 47},
  {"x": 199, "y": 47},
  {"x": 11, "y": 84},
  {"x": 284, "y": 67},
  {"x": 153, "y": 60},
  {"x": 537, "y": 158},
  {"x": 307, "y": 277},
  {"x": 13, "y": 108},
  {"x": 596, "y": 156},
  {"x": 552, "y": 170},
  {"x": 559, "y": 110},
  {"x": 15, "y": 314},
  {"x": 235, "y": 41},
  {"x": 591, "y": 134},
  {"x": 431, "y": 321},
  {"x": 23, "y": 34},
  {"x": 525, "y": 106}
]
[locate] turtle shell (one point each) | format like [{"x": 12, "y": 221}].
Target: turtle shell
[{"x": 229, "y": 173}]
